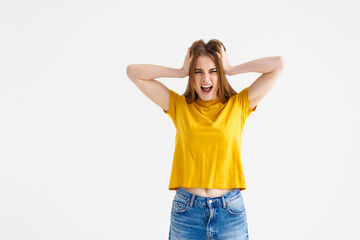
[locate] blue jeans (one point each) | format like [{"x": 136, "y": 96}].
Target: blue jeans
[{"x": 198, "y": 217}]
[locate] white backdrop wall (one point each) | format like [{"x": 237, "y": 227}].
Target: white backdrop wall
[{"x": 84, "y": 154}]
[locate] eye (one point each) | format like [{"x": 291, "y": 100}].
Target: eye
[{"x": 212, "y": 71}]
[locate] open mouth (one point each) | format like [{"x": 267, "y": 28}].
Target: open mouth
[{"x": 206, "y": 89}]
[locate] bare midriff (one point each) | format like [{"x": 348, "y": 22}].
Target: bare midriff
[{"x": 208, "y": 192}]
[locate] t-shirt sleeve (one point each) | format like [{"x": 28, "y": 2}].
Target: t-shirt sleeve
[
  {"x": 243, "y": 101},
  {"x": 174, "y": 100}
]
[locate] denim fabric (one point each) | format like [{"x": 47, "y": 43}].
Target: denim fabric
[{"x": 198, "y": 217}]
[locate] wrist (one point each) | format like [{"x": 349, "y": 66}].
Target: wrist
[
  {"x": 182, "y": 73},
  {"x": 229, "y": 70}
]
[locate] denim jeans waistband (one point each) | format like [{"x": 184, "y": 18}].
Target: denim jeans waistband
[{"x": 207, "y": 201}]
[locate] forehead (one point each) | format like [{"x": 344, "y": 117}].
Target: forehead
[{"x": 204, "y": 61}]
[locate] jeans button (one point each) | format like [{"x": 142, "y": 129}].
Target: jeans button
[{"x": 210, "y": 201}]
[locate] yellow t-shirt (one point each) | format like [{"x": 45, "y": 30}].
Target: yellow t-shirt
[{"x": 208, "y": 141}]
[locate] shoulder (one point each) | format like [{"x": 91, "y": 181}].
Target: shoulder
[{"x": 176, "y": 96}]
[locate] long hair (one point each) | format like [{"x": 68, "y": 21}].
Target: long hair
[{"x": 212, "y": 48}]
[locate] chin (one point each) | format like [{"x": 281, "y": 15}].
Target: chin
[{"x": 206, "y": 97}]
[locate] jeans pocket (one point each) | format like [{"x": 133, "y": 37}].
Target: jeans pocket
[
  {"x": 179, "y": 205},
  {"x": 236, "y": 206}
]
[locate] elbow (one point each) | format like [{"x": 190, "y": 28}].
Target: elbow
[
  {"x": 130, "y": 70},
  {"x": 280, "y": 62}
]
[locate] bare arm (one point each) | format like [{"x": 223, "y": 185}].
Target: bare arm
[
  {"x": 261, "y": 65},
  {"x": 142, "y": 75},
  {"x": 150, "y": 71},
  {"x": 263, "y": 84},
  {"x": 271, "y": 67}
]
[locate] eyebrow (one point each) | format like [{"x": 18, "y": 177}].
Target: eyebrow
[{"x": 201, "y": 69}]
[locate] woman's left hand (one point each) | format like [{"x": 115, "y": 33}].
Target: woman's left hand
[{"x": 225, "y": 61}]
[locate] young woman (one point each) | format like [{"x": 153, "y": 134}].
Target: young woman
[{"x": 209, "y": 117}]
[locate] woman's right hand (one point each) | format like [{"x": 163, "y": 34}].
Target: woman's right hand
[{"x": 186, "y": 66}]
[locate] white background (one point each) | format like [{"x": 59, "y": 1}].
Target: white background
[{"x": 86, "y": 155}]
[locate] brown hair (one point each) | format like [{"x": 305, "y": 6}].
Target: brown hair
[{"x": 211, "y": 48}]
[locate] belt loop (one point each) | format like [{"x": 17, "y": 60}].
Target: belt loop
[
  {"x": 192, "y": 200},
  {"x": 223, "y": 201}
]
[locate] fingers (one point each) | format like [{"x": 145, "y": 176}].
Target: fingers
[
  {"x": 222, "y": 50},
  {"x": 188, "y": 55},
  {"x": 188, "y": 52},
  {"x": 220, "y": 55}
]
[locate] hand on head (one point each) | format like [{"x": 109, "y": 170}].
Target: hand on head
[
  {"x": 186, "y": 66},
  {"x": 225, "y": 60}
]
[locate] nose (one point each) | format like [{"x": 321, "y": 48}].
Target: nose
[{"x": 206, "y": 76}]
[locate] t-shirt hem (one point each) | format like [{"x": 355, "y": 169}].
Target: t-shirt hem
[{"x": 175, "y": 187}]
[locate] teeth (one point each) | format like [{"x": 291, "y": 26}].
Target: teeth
[{"x": 206, "y": 86}]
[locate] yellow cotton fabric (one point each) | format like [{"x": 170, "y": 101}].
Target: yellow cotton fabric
[{"x": 208, "y": 141}]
